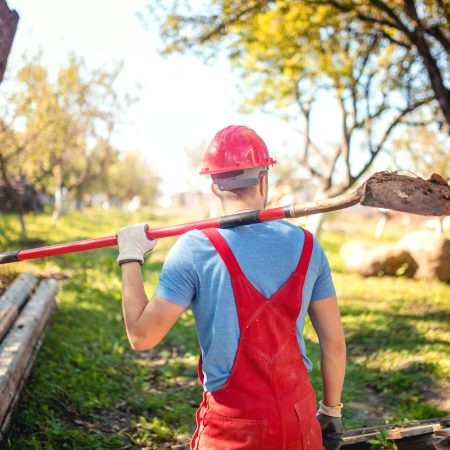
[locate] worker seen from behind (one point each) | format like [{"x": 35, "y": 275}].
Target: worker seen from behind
[{"x": 250, "y": 288}]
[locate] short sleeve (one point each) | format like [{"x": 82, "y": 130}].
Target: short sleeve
[
  {"x": 177, "y": 281},
  {"x": 323, "y": 286}
]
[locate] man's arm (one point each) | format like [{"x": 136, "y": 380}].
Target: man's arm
[
  {"x": 326, "y": 321},
  {"x": 146, "y": 322}
]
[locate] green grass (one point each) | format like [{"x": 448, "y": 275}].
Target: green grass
[{"x": 89, "y": 390}]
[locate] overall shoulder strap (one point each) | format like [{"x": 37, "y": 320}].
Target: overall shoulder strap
[
  {"x": 223, "y": 249},
  {"x": 305, "y": 258}
]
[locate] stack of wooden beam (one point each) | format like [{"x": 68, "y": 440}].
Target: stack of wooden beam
[
  {"x": 429, "y": 434},
  {"x": 25, "y": 310}
]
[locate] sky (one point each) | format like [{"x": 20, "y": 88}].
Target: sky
[{"x": 181, "y": 103}]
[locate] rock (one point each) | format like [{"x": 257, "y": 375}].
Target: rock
[
  {"x": 369, "y": 259},
  {"x": 430, "y": 251}
]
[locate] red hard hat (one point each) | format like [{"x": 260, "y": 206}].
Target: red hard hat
[{"x": 235, "y": 148}]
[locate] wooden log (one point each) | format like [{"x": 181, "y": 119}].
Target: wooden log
[
  {"x": 417, "y": 435},
  {"x": 19, "y": 290},
  {"x": 360, "y": 435},
  {"x": 7, "y": 420},
  {"x": 441, "y": 439},
  {"x": 443, "y": 432},
  {"x": 402, "y": 432},
  {"x": 418, "y": 442},
  {"x": 13, "y": 299},
  {"x": 357, "y": 446},
  {"x": 19, "y": 345}
]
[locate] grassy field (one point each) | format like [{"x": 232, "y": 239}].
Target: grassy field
[{"x": 89, "y": 390}]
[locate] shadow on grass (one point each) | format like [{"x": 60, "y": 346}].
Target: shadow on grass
[
  {"x": 391, "y": 332},
  {"x": 387, "y": 359},
  {"x": 90, "y": 390}
]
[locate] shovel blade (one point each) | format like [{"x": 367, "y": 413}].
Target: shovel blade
[{"x": 390, "y": 190}]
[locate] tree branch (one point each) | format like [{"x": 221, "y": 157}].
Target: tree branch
[
  {"x": 393, "y": 124},
  {"x": 434, "y": 31},
  {"x": 304, "y": 156},
  {"x": 226, "y": 23},
  {"x": 353, "y": 7},
  {"x": 445, "y": 9},
  {"x": 391, "y": 13},
  {"x": 345, "y": 146},
  {"x": 332, "y": 164}
]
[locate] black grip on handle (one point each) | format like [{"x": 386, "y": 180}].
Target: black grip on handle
[
  {"x": 9, "y": 257},
  {"x": 245, "y": 218}
]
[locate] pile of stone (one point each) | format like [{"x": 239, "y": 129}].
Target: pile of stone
[{"x": 420, "y": 254}]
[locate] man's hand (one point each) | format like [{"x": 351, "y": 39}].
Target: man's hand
[
  {"x": 134, "y": 243},
  {"x": 331, "y": 424},
  {"x": 332, "y": 431}
]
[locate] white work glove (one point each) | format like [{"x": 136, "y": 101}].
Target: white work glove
[{"x": 134, "y": 243}]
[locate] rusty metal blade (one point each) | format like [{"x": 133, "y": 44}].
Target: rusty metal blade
[{"x": 414, "y": 195}]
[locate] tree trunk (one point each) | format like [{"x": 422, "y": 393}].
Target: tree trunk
[
  {"x": 23, "y": 227},
  {"x": 60, "y": 195},
  {"x": 78, "y": 199},
  {"x": 314, "y": 222},
  {"x": 441, "y": 93},
  {"x": 17, "y": 199},
  {"x": 8, "y": 25},
  {"x": 381, "y": 225}
]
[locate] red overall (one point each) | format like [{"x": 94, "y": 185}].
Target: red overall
[{"x": 267, "y": 402}]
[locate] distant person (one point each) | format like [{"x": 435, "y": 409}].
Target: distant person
[{"x": 250, "y": 288}]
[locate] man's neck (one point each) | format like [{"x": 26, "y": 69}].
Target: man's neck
[{"x": 237, "y": 207}]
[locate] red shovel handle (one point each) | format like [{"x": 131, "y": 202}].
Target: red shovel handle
[
  {"x": 153, "y": 233},
  {"x": 232, "y": 220}
]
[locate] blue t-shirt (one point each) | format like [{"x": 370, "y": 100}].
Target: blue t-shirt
[{"x": 194, "y": 274}]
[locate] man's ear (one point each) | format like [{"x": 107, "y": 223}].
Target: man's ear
[
  {"x": 262, "y": 183},
  {"x": 214, "y": 189}
]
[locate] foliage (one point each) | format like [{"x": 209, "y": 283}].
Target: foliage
[
  {"x": 380, "y": 442},
  {"x": 132, "y": 176},
  {"x": 90, "y": 390},
  {"x": 294, "y": 56},
  {"x": 56, "y": 127},
  {"x": 425, "y": 150},
  {"x": 63, "y": 118},
  {"x": 293, "y": 33}
]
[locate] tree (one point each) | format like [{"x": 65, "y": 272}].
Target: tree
[
  {"x": 132, "y": 176},
  {"x": 8, "y": 25},
  {"x": 424, "y": 150},
  {"x": 10, "y": 152},
  {"x": 292, "y": 55},
  {"x": 67, "y": 122},
  {"x": 417, "y": 29},
  {"x": 420, "y": 27}
]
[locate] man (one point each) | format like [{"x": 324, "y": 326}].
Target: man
[{"x": 249, "y": 288}]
